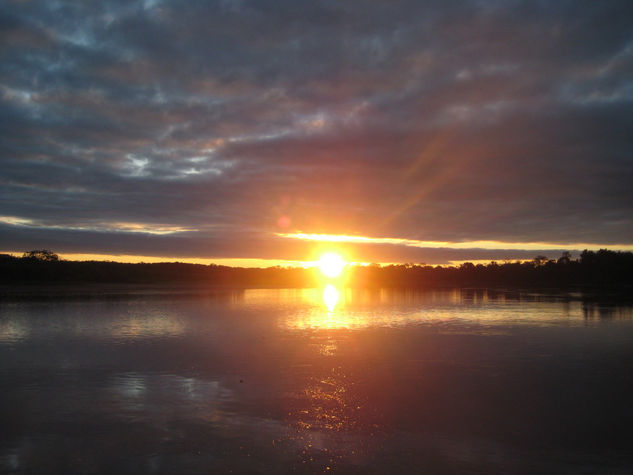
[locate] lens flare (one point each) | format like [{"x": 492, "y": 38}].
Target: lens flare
[{"x": 331, "y": 264}]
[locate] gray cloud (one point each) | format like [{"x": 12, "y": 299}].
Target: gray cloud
[{"x": 504, "y": 121}]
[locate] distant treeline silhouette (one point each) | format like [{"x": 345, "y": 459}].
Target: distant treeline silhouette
[{"x": 593, "y": 268}]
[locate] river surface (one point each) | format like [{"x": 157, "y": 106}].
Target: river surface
[{"x": 315, "y": 381}]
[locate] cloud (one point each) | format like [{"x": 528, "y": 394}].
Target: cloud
[{"x": 483, "y": 121}]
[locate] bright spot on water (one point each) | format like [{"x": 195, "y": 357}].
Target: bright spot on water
[{"x": 330, "y": 296}]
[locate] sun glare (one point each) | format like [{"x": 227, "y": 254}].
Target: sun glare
[
  {"x": 331, "y": 296},
  {"x": 331, "y": 264}
]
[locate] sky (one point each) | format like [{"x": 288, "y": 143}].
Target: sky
[{"x": 400, "y": 131}]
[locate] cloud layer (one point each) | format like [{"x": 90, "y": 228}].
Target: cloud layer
[{"x": 207, "y": 128}]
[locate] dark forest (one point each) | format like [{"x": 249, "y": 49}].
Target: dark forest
[{"x": 603, "y": 268}]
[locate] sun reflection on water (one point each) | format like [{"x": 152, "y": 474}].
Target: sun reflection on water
[
  {"x": 330, "y": 420},
  {"x": 331, "y": 296},
  {"x": 328, "y": 310},
  {"x": 326, "y": 405}
]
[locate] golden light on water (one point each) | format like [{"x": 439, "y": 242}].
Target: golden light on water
[
  {"x": 331, "y": 264},
  {"x": 331, "y": 296}
]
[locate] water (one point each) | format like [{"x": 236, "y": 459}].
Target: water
[{"x": 318, "y": 380}]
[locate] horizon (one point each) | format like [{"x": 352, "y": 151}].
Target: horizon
[{"x": 271, "y": 263}]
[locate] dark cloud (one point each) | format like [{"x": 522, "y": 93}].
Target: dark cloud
[{"x": 480, "y": 120}]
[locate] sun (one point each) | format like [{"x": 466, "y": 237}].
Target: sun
[{"x": 331, "y": 264}]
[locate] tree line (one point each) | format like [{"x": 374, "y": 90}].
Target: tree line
[{"x": 591, "y": 268}]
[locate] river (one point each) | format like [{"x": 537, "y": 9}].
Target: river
[{"x": 321, "y": 380}]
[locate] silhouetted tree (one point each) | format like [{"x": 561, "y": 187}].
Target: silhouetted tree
[
  {"x": 600, "y": 269},
  {"x": 540, "y": 261},
  {"x": 41, "y": 255},
  {"x": 587, "y": 257},
  {"x": 565, "y": 259}
]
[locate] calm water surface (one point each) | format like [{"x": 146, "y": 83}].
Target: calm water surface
[{"x": 318, "y": 380}]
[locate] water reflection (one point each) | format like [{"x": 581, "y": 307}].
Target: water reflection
[
  {"x": 149, "y": 326},
  {"x": 324, "y": 404},
  {"x": 311, "y": 380},
  {"x": 13, "y": 331},
  {"x": 606, "y": 312},
  {"x": 116, "y": 320},
  {"x": 473, "y": 311},
  {"x": 331, "y": 296}
]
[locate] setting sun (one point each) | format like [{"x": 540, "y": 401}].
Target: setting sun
[{"x": 331, "y": 264}]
